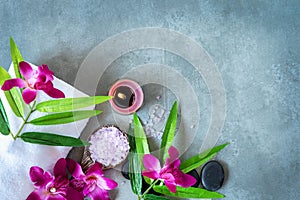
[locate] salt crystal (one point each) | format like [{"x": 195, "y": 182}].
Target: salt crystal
[
  {"x": 160, "y": 112},
  {"x": 109, "y": 146},
  {"x": 156, "y": 120}
]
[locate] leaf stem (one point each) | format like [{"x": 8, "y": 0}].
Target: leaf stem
[
  {"x": 25, "y": 120},
  {"x": 149, "y": 188},
  {"x": 12, "y": 134}
]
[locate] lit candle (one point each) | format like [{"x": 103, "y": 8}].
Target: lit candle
[{"x": 128, "y": 96}]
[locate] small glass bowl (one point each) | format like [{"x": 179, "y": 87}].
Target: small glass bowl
[{"x": 134, "y": 89}]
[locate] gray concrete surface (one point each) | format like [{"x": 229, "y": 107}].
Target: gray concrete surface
[{"x": 255, "y": 45}]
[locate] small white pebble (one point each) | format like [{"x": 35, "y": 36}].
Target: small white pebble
[
  {"x": 123, "y": 182},
  {"x": 158, "y": 97}
]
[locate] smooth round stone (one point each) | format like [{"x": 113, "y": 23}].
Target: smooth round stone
[
  {"x": 125, "y": 170},
  {"x": 212, "y": 175},
  {"x": 195, "y": 174}
]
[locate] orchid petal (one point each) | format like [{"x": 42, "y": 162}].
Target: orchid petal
[
  {"x": 168, "y": 177},
  {"x": 43, "y": 86},
  {"x": 173, "y": 155},
  {"x": 55, "y": 93},
  {"x": 75, "y": 169},
  {"x": 72, "y": 194},
  {"x": 28, "y": 95},
  {"x": 175, "y": 163},
  {"x": 78, "y": 184},
  {"x": 15, "y": 82},
  {"x": 45, "y": 74},
  {"x": 88, "y": 189},
  {"x": 61, "y": 183},
  {"x": 151, "y": 163},
  {"x": 39, "y": 177},
  {"x": 106, "y": 183},
  {"x": 187, "y": 181},
  {"x": 49, "y": 89},
  {"x": 96, "y": 169},
  {"x": 60, "y": 168},
  {"x": 99, "y": 194},
  {"x": 26, "y": 70},
  {"x": 35, "y": 195},
  {"x": 151, "y": 174},
  {"x": 55, "y": 197},
  {"x": 171, "y": 186}
]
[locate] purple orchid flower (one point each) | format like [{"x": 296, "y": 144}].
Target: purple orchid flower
[
  {"x": 40, "y": 79},
  {"x": 48, "y": 187},
  {"x": 170, "y": 173},
  {"x": 93, "y": 184}
]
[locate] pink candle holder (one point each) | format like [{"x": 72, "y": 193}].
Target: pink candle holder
[{"x": 128, "y": 96}]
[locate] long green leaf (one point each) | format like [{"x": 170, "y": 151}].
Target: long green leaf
[
  {"x": 64, "y": 117},
  {"x": 141, "y": 143},
  {"x": 154, "y": 197},
  {"x": 134, "y": 165},
  {"x": 140, "y": 138},
  {"x": 4, "y": 124},
  {"x": 3, "y": 112},
  {"x": 69, "y": 104},
  {"x": 4, "y": 75},
  {"x": 200, "y": 159},
  {"x": 169, "y": 132},
  {"x": 52, "y": 139},
  {"x": 16, "y": 57},
  {"x": 190, "y": 192},
  {"x": 13, "y": 96}
]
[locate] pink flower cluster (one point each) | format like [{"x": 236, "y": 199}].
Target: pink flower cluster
[
  {"x": 93, "y": 184},
  {"x": 170, "y": 173},
  {"x": 34, "y": 80}
]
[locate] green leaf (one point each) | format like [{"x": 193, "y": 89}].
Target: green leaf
[
  {"x": 141, "y": 142},
  {"x": 134, "y": 165},
  {"x": 52, "y": 139},
  {"x": 16, "y": 57},
  {"x": 154, "y": 197},
  {"x": 4, "y": 75},
  {"x": 69, "y": 104},
  {"x": 2, "y": 110},
  {"x": 169, "y": 132},
  {"x": 13, "y": 95},
  {"x": 190, "y": 192},
  {"x": 140, "y": 138},
  {"x": 64, "y": 117},
  {"x": 200, "y": 159},
  {"x": 4, "y": 124}
]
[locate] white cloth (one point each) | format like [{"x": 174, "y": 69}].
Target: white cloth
[{"x": 16, "y": 157}]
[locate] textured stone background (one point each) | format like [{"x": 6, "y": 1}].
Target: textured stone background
[{"x": 255, "y": 45}]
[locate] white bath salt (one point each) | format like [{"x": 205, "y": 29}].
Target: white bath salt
[
  {"x": 109, "y": 146},
  {"x": 159, "y": 134}
]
